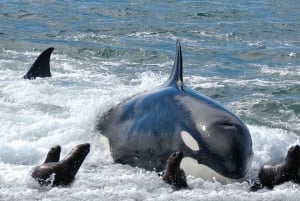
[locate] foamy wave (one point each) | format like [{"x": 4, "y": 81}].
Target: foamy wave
[{"x": 283, "y": 72}]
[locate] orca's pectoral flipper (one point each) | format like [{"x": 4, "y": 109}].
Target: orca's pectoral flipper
[
  {"x": 176, "y": 75},
  {"x": 41, "y": 66}
]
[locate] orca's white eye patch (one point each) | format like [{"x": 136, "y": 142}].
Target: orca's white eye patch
[{"x": 189, "y": 141}]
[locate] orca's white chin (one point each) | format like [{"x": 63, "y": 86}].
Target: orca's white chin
[{"x": 193, "y": 168}]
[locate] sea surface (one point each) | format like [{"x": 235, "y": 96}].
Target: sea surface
[{"x": 243, "y": 54}]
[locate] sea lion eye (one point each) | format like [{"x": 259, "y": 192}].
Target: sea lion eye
[{"x": 174, "y": 154}]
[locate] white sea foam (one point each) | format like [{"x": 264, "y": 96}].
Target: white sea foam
[{"x": 294, "y": 71}]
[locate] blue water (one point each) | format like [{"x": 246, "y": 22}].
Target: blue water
[{"x": 245, "y": 55}]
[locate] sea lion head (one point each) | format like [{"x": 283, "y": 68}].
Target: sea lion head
[
  {"x": 175, "y": 158},
  {"x": 81, "y": 149},
  {"x": 293, "y": 156},
  {"x": 53, "y": 154}
]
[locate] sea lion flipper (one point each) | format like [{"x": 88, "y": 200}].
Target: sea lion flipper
[
  {"x": 161, "y": 174},
  {"x": 41, "y": 66},
  {"x": 183, "y": 178},
  {"x": 256, "y": 186}
]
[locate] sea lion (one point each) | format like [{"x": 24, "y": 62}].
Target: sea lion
[
  {"x": 53, "y": 154},
  {"x": 272, "y": 173},
  {"x": 61, "y": 172},
  {"x": 174, "y": 175}
]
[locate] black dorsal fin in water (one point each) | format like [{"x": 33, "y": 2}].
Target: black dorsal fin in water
[
  {"x": 41, "y": 66},
  {"x": 176, "y": 75}
]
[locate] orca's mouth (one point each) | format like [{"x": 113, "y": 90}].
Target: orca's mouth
[{"x": 193, "y": 168}]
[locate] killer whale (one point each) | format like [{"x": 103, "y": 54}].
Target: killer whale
[
  {"x": 144, "y": 130},
  {"x": 41, "y": 66}
]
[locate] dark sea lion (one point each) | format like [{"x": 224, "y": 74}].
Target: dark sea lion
[
  {"x": 64, "y": 171},
  {"x": 272, "y": 173},
  {"x": 41, "y": 66},
  {"x": 53, "y": 154},
  {"x": 174, "y": 175}
]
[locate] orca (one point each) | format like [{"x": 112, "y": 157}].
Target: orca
[
  {"x": 41, "y": 66},
  {"x": 145, "y": 129}
]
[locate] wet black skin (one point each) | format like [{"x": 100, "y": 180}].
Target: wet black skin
[
  {"x": 53, "y": 154},
  {"x": 41, "y": 66},
  {"x": 145, "y": 130},
  {"x": 275, "y": 173},
  {"x": 173, "y": 174},
  {"x": 64, "y": 171}
]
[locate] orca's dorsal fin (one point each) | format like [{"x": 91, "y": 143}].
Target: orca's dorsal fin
[
  {"x": 176, "y": 75},
  {"x": 41, "y": 66}
]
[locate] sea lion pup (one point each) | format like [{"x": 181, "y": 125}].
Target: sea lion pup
[
  {"x": 174, "y": 175},
  {"x": 61, "y": 172},
  {"x": 53, "y": 154},
  {"x": 271, "y": 173}
]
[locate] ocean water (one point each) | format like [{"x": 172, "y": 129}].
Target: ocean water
[{"x": 244, "y": 54}]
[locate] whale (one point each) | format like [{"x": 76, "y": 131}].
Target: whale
[
  {"x": 144, "y": 130},
  {"x": 41, "y": 66}
]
